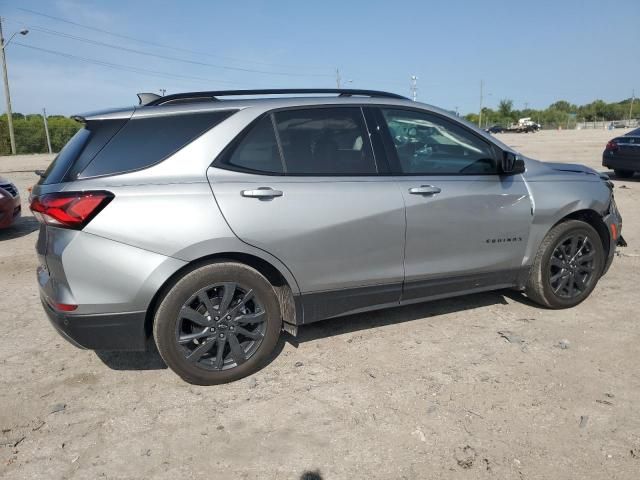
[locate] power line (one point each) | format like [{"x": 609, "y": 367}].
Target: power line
[
  {"x": 124, "y": 67},
  {"x": 166, "y": 57},
  {"x": 157, "y": 44}
]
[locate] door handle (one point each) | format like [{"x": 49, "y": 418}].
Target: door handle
[
  {"x": 261, "y": 192},
  {"x": 424, "y": 190}
]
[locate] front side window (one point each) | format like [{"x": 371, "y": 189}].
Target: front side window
[
  {"x": 325, "y": 141},
  {"x": 429, "y": 145}
]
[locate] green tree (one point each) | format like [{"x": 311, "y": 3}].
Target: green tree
[{"x": 505, "y": 107}]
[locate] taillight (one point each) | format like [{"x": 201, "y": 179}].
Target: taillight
[
  {"x": 69, "y": 209},
  {"x": 612, "y": 146}
]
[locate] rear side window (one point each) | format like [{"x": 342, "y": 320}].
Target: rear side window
[
  {"x": 143, "y": 142},
  {"x": 315, "y": 141},
  {"x": 325, "y": 141},
  {"x": 258, "y": 150}
]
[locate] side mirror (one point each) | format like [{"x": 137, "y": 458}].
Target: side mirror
[{"x": 512, "y": 163}]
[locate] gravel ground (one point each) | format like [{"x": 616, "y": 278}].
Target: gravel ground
[{"x": 426, "y": 391}]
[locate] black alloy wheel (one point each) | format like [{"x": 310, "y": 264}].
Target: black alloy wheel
[
  {"x": 572, "y": 266},
  {"x": 221, "y": 326},
  {"x": 569, "y": 262},
  {"x": 218, "y": 323}
]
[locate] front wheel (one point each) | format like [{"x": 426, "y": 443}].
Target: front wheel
[
  {"x": 218, "y": 323},
  {"x": 568, "y": 265}
]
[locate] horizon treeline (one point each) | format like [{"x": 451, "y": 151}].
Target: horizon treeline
[{"x": 31, "y": 138}]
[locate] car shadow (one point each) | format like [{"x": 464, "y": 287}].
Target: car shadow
[
  {"x": 311, "y": 475},
  {"x": 151, "y": 360},
  {"x": 24, "y": 226},
  {"x": 147, "y": 360}
]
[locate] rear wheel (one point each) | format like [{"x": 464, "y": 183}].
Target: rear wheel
[
  {"x": 218, "y": 323},
  {"x": 624, "y": 173},
  {"x": 567, "y": 266}
]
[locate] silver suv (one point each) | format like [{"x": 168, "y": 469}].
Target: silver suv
[{"x": 212, "y": 221}]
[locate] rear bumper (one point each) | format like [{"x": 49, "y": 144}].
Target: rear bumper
[
  {"x": 617, "y": 163},
  {"x": 116, "y": 331}
]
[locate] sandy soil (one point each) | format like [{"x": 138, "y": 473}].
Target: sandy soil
[{"x": 427, "y": 391}]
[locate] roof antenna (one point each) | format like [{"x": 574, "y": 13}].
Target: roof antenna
[{"x": 146, "y": 98}]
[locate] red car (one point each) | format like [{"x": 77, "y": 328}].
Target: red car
[{"x": 9, "y": 203}]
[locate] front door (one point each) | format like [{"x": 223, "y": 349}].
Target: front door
[
  {"x": 467, "y": 226},
  {"x": 303, "y": 185}
]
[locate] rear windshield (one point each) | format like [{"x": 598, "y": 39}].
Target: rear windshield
[
  {"x": 60, "y": 165},
  {"x": 145, "y": 141},
  {"x": 80, "y": 150}
]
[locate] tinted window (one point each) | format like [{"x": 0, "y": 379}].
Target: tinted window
[
  {"x": 428, "y": 144},
  {"x": 143, "y": 142},
  {"x": 325, "y": 141},
  {"x": 258, "y": 150},
  {"x": 101, "y": 132},
  {"x": 58, "y": 168}
]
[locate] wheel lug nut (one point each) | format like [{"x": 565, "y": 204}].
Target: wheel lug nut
[
  {"x": 216, "y": 318},
  {"x": 222, "y": 335},
  {"x": 213, "y": 329},
  {"x": 228, "y": 317}
]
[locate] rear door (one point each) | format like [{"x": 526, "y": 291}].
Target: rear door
[
  {"x": 467, "y": 226},
  {"x": 304, "y": 185}
]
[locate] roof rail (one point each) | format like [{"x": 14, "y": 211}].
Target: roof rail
[{"x": 213, "y": 96}]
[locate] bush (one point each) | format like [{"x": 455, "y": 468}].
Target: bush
[{"x": 30, "y": 134}]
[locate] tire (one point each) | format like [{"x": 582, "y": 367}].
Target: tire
[
  {"x": 553, "y": 266},
  {"x": 190, "y": 331},
  {"x": 624, "y": 173}
]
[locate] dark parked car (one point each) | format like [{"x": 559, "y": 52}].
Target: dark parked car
[
  {"x": 495, "y": 129},
  {"x": 9, "y": 203},
  {"x": 622, "y": 154}
]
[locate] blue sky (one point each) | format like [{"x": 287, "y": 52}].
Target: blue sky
[{"x": 532, "y": 52}]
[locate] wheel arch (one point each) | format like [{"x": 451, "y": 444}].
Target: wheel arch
[
  {"x": 541, "y": 229},
  {"x": 283, "y": 289},
  {"x": 594, "y": 219}
]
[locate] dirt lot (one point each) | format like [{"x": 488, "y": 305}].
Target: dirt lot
[{"x": 427, "y": 391}]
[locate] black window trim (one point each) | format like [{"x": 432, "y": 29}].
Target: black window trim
[
  {"x": 392, "y": 154},
  {"x": 229, "y": 113},
  {"x": 221, "y": 161}
]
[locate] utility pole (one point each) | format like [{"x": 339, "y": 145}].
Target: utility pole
[
  {"x": 480, "y": 114},
  {"x": 7, "y": 95},
  {"x": 633, "y": 97},
  {"x": 414, "y": 88},
  {"x": 46, "y": 129},
  {"x": 338, "y": 78}
]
